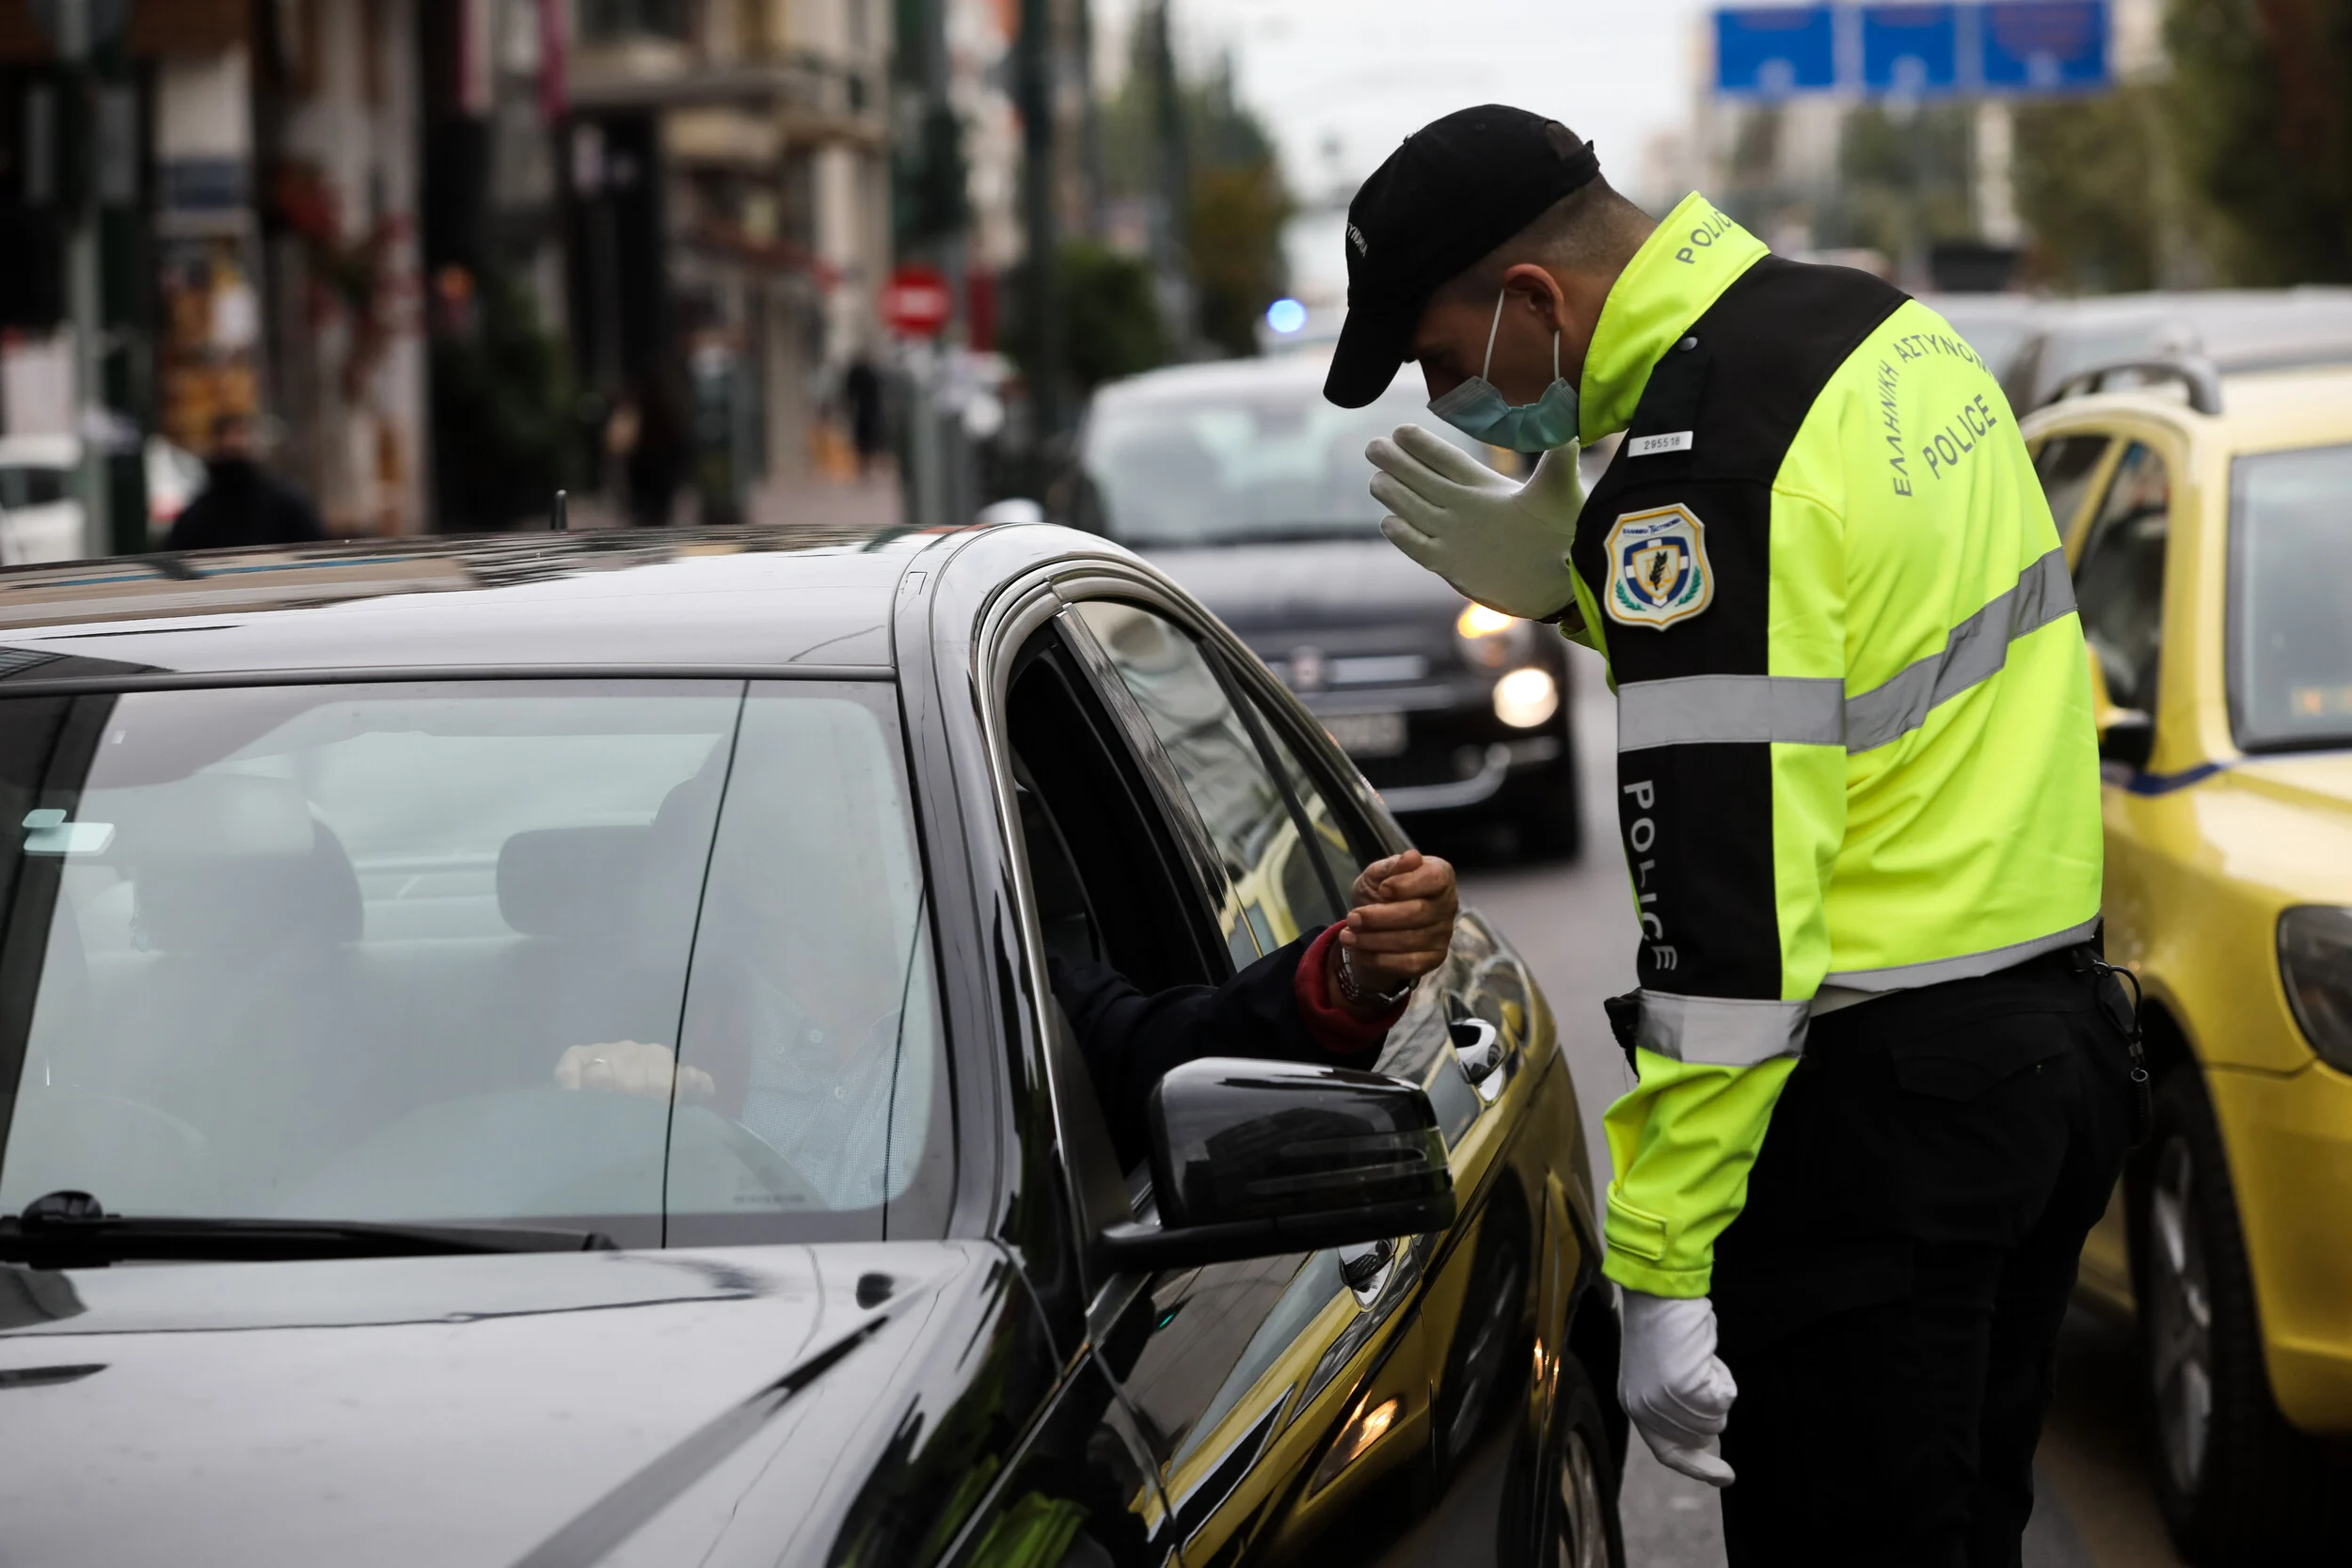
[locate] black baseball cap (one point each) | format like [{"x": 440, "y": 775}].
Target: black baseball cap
[{"x": 1458, "y": 188}]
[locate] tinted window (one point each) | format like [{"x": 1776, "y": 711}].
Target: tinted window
[
  {"x": 2119, "y": 582},
  {"x": 1335, "y": 836},
  {"x": 2066, "y": 465},
  {"x": 1274, "y": 873},
  {"x": 425, "y": 952},
  {"x": 1242, "y": 464},
  {"x": 2289, "y": 633},
  {"x": 33, "y": 486}
]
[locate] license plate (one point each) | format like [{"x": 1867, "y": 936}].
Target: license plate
[{"x": 1367, "y": 734}]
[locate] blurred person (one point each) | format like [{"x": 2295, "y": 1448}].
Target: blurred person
[
  {"x": 644, "y": 434},
  {"x": 802, "y": 1028},
  {"x": 1886, "y": 1081},
  {"x": 798, "y": 995},
  {"x": 861, "y": 407},
  {"x": 241, "y": 502}
]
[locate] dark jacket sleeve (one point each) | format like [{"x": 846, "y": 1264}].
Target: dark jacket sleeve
[{"x": 1129, "y": 1038}]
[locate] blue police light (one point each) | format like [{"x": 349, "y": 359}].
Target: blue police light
[{"x": 1285, "y": 316}]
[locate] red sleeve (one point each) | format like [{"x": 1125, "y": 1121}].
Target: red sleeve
[{"x": 1340, "y": 1032}]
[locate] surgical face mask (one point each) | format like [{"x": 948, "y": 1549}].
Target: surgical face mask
[{"x": 1478, "y": 410}]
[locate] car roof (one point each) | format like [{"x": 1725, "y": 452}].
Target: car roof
[
  {"x": 1302, "y": 370},
  {"x": 2239, "y": 329},
  {"x": 2261, "y": 410},
  {"x": 801, "y": 600}
]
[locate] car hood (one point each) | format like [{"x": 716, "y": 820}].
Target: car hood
[
  {"x": 1319, "y": 583},
  {"x": 458, "y": 1411}
]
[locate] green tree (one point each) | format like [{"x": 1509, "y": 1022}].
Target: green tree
[
  {"x": 1235, "y": 240},
  {"x": 2085, "y": 173},
  {"x": 1238, "y": 201},
  {"x": 1903, "y": 182},
  {"x": 1110, "y": 319},
  {"x": 504, "y": 435},
  {"x": 2261, "y": 112}
]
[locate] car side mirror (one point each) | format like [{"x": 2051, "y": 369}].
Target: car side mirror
[
  {"x": 1253, "y": 1159},
  {"x": 2126, "y": 735}
]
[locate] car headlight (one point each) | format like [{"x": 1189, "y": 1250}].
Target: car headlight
[
  {"x": 2315, "y": 961},
  {"x": 1525, "y": 698},
  {"x": 1489, "y": 639}
]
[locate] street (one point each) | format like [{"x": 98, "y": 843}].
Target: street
[{"x": 1574, "y": 926}]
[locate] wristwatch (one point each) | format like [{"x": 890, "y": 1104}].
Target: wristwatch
[{"x": 1362, "y": 998}]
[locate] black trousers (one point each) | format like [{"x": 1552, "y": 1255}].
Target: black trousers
[{"x": 1889, "y": 1299}]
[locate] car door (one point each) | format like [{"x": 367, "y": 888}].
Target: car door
[
  {"x": 1480, "y": 1042},
  {"x": 2112, "y": 498},
  {"x": 1287, "y": 1399},
  {"x": 1076, "y": 1492}
]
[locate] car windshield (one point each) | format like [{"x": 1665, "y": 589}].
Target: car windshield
[
  {"x": 422, "y": 953},
  {"x": 2290, "y": 639},
  {"x": 1241, "y": 467}
]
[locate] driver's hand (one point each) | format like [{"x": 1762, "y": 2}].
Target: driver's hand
[
  {"x": 630, "y": 1066},
  {"x": 1400, "y": 920}
]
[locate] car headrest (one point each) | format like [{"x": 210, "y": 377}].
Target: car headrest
[
  {"x": 223, "y": 862},
  {"x": 215, "y": 817},
  {"x": 577, "y": 883}
]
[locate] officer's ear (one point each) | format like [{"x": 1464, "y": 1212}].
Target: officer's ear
[{"x": 1531, "y": 286}]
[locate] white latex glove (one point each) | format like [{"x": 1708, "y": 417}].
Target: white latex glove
[
  {"x": 1497, "y": 541},
  {"x": 1673, "y": 1386}
]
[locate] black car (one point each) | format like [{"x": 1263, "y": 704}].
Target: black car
[
  {"x": 383, "y": 921},
  {"x": 1241, "y": 482}
]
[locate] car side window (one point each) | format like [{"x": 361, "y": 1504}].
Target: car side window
[
  {"x": 2066, "y": 464},
  {"x": 1110, "y": 882},
  {"x": 1335, "y": 836},
  {"x": 1283, "y": 889},
  {"x": 2119, "y": 581}
]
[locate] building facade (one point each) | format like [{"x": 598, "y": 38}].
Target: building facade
[{"x": 728, "y": 168}]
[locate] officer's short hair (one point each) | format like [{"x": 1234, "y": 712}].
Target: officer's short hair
[{"x": 1592, "y": 229}]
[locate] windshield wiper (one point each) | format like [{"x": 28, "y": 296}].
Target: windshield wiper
[{"x": 71, "y": 1230}]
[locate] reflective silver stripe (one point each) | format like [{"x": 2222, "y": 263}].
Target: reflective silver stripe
[
  {"x": 1699, "y": 710},
  {"x": 1906, "y": 976},
  {"x": 1974, "y": 652},
  {"x": 1720, "y": 1031}
]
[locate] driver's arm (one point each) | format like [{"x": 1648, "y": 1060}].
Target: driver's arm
[{"x": 1288, "y": 1005}]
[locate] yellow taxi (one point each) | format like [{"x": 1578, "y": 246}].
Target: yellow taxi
[{"x": 2208, "y": 522}]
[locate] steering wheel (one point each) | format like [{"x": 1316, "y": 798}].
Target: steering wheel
[{"x": 768, "y": 1165}]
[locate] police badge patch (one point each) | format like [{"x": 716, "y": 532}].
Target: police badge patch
[{"x": 1659, "y": 573}]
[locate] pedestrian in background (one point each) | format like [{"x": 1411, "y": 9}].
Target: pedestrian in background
[
  {"x": 862, "y": 410},
  {"x": 644, "y": 434},
  {"x": 241, "y": 502},
  {"x": 1884, "y": 1082}
]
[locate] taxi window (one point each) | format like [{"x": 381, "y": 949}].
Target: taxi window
[
  {"x": 22, "y": 487},
  {"x": 2066, "y": 464},
  {"x": 2119, "y": 581},
  {"x": 2290, "y": 641}
]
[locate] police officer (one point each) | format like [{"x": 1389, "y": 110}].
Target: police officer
[{"x": 1879, "y": 1101}]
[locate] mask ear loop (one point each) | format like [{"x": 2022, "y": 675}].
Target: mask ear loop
[{"x": 1490, "y": 338}]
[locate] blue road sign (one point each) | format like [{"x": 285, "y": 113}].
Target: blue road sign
[
  {"x": 1775, "y": 51},
  {"x": 2046, "y": 46},
  {"x": 1927, "y": 48},
  {"x": 1911, "y": 50}
]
